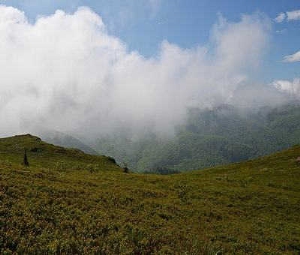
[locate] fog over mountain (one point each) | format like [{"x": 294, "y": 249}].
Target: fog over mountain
[{"x": 66, "y": 72}]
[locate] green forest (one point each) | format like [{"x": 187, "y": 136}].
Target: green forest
[{"x": 211, "y": 137}]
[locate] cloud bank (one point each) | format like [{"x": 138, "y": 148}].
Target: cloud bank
[{"x": 65, "y": 72}]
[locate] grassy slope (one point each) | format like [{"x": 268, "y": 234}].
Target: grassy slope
[{"x": 72, "y": 203}]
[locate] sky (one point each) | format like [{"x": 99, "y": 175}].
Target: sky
[
  {"x": 144, "y": 24},
  {"x": 81, "y": 66}
]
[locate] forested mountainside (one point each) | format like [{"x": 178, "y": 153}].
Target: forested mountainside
[{"x": 211, "y": 137}]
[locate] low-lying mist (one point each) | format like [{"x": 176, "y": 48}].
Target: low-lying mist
[{"x": 65, "y": 72}]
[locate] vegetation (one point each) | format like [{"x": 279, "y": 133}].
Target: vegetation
[
  {"x": 211, "y": 137},
  {"x": 67, "y": 202}
]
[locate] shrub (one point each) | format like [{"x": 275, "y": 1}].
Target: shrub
[{"x": 25, "y": 159}]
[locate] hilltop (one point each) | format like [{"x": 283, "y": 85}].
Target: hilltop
[
  {"x": 42, "y": 154},
  {"x": 68, "y": 202}
]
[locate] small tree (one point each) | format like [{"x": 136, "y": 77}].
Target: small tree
[
  {"x": 125, "y": 168},
  {"x": 25, "y": 160}
]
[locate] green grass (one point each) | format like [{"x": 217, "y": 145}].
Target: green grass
[{"x": 68, "y": 202}]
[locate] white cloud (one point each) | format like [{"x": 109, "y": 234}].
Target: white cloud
[
  {"x": 280, "y": 18},
  {"x": 289, "y": 87},
  {"x": 65, "y": 72},
  {"x": 293, "y": 15},
  {"x": 292, "y": 58}
]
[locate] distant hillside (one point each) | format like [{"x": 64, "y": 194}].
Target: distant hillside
[
  {"x": 210, "y": 137},
  {"x": 67, "y": 202},
  {"x": 61, "y": 139}
]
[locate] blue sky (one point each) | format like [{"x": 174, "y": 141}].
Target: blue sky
[{"x": 144, "y": 24}]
